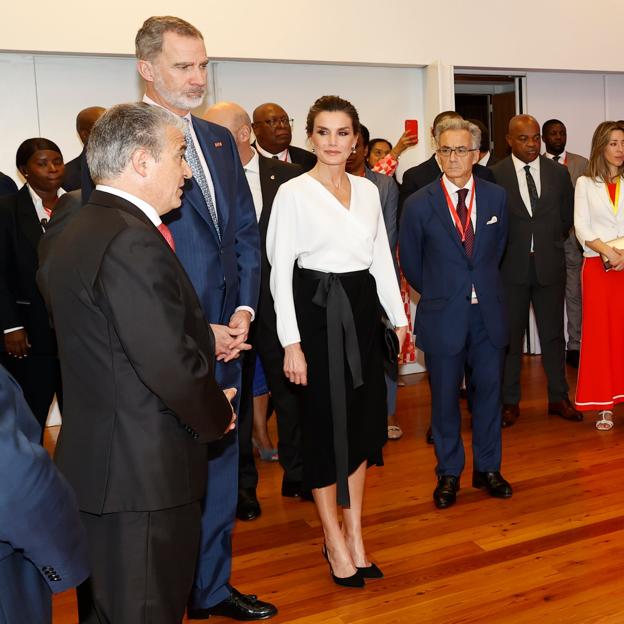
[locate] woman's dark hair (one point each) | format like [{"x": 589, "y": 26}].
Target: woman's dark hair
[
  {"x": 30, "y": 146},
  {"x": 365, "y": 135},
  {"x": 332, "y": 104},
  {"x": 372, "y": 142}
]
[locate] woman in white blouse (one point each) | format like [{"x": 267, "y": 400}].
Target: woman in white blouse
[
  {"x": 331, "y": 268},
  {"x": 599, "y": 221}
]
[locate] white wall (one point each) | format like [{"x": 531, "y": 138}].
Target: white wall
[
  {"x": 580, "y": 100},
  {"x": 534, "y": 34},
  {"x": 46, "y": 92}
]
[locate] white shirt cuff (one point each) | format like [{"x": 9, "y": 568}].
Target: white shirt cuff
[
  {"x": 12, "y": 329},
  {"x": 247, "y": 309}
]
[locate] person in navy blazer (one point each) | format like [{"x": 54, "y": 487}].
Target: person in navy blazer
[
  {"x": 223, "y": 262},
  {"x": 460, "y": 317},
  {"x": 43, "y": 547}
]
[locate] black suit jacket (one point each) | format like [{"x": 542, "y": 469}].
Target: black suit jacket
[
  {"x": 549, "y": 225},
  {"x": 273, "y": 173},
  {"x": 137, "y": 358},
  {"x": 418, "y": 177},
  {"x": 7, "y": 185},
  {"x": 21, "y": 304},
  {"x": 306, "y": 160},
  {"x": 73, "y": 173}
]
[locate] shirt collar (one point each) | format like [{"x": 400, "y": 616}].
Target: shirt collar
[
  {"x": 283, "y": 155},
  {"x": 452, "y": 188},
  {"x": 143, "y": 206},
  {"x": 519, "y": 165},
  {"x": 562, "y": 156},
  {"x": 38, "y": 202},
  {"x": 148, "y": 100}
]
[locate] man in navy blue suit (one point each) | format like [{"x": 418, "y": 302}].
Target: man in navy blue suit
[
  {"x": 452, "y": 239},
  {"x": 43, "y": 546},
  {"x": 217, "y": 241}
]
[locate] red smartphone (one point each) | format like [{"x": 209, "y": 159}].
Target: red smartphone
[{"x": 411, "y": 126}]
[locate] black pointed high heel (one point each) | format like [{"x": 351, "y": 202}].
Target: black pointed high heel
[
  {"x": 371, "y": 572},
  {"x": 355, "y": 580}
]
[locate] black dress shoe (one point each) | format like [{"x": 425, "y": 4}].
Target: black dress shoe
[
  {"x": 429, "y": 436},
  {"x": 294, "y": 489},
  {"x": 511, "y": 413},
  {"x": 493, "y": 482},
  {"x": 445, "y": 493},
  {"x": 371, "y": 572},
  {"x": 248, "y": 507},
  {"x": 572, "y": 358},
  {"x": 244, "y": 607},
  {"x": 566, "y": 410}
]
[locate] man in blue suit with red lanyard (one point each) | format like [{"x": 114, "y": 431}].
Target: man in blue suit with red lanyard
[
  {"x": 452, "y": 239},
  {"x": 217, "y": 241}
]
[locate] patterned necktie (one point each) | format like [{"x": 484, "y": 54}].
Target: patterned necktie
[
  {"x": 192, "y": 159},
  {"x": 556, "y": 158},
  {"x": 533, "y": 196},
  {"x": 462, "y": 213},
  {"x": 166, "y": 232}
]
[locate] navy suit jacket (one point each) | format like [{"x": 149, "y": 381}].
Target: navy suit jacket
[
  {"x": 226, "y": 272},
  {"x": 42, "y": 542},
  {"x": 435, "y": 264},
  {"x": 7, "y": 185}
]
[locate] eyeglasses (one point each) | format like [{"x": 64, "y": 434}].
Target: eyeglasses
[
  {"x": 277, "y": 121},
  {"x": 460, "y": 151}
]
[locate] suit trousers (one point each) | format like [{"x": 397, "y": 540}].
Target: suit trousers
[
  {"x": 446, "y": 373},
  {"x": 573, "y": 303},
  {"x": 142, "y": 566},
  {"x": 247, "y": 471},
  {"x": 548, "y": 304},
  {"x": 286, "y": 399},
  {"x": 214, "y": 565}
]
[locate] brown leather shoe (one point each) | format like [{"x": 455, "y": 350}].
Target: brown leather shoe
[
  {"x": 511, "y": 413},
  {"x": 566, "y": 410}
]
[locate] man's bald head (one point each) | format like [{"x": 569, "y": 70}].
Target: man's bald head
[
  {"x": 523, "y": 136},
  {"x": 235, "y": 118},
  {"x": 271, "y": 126},
  {"x": 229, "y": 115},
  {"x": 85, "y": 120}
]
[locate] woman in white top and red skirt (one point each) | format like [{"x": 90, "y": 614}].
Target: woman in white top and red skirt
[
  {"x": 599, "y": 221},
  {"x": 331, "y": 268}
]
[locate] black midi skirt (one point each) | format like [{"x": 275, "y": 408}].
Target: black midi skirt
[{"x": 365, "y": 430}]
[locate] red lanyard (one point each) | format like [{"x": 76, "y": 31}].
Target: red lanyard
[{"x": 458, "y": 224}]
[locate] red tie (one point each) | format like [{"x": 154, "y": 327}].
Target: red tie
[
  {"x": 462, "y": 213},
  {"x": 166, "y": 232}
]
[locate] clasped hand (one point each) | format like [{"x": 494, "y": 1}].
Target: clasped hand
[
  {"x": 616, "y": 259},
  {"x": 230, "y": 339}
]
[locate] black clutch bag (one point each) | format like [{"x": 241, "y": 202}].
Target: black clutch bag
[{"x": 390, "y": 348}]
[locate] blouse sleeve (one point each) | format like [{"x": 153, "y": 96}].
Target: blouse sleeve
[
  {"x": 382, "y": 269},
  {"x": 582, "y": 218},
  {"x": 281, "y": 247},
  {"x": 386, "y": 165}
]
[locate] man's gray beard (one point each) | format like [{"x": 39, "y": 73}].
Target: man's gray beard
[{"x": 180, "y": 102}]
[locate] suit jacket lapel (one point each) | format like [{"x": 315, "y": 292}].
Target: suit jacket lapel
[
  {"x": 438, "y": 201},
  {"x": 28, "y": 220},
  {"x": 514, "y": 187},
  {"x": 268, "y": 184}
]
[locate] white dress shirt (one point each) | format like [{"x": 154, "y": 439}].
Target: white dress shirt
[
  {"x": 522, "y": 182},
  {"x": 563, "y": 157},
  {"x": 252, "y": 173},
  {"x": 486, "y": 158},
  {"x": 310, "y": 226},
  {"x": 452, "y": 190}
]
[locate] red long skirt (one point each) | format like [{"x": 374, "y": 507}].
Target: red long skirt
[{"x": 601, "y": 369}]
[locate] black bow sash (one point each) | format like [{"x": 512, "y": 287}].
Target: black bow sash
[{"x": 341, "y": 340}]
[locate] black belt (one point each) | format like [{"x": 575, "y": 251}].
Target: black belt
[{"x": 331, "y": 295}]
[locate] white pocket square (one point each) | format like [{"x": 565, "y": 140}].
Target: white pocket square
[{"x": 492, "y": 220}]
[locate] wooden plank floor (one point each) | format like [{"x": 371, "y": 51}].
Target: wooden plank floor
[{"x": 551, "y": 554}]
